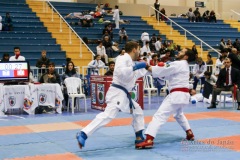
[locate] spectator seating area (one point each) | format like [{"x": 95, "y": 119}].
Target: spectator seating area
[
  {"x": 28, "y": 33},
  {"x": 134, "y": 29},
  {"x": 211, "y": 33}
]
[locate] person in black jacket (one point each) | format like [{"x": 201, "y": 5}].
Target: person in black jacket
[
  {"x": 42, "y": 63},
  {"x": 228, "y": 77},
  {"x": 157, "y": 6},
  {"x": 111, "y": 69}
]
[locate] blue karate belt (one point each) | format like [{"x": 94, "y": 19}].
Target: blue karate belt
[{"x": 131, "y": 106}]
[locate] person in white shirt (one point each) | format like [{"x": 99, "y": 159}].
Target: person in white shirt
[
  {"x": 145, "y": 48},
  {"x": 102, "y": 52},
  {"x": 219, "y": 65},
  {"x": 95, "y": 65},
  {"x": 74, "y": 15},
  {"x": 17, "y": 56},
  {"x": 158, "y": 45},
  {"x": 123, "y": 35},
  {"x": 116, "y": 16},
  {"x": 145, "y": 38},
  {"x": 125, "y": 74},
  {"x": 198, "y": 71},
  {"x": 191, "y": 15}
]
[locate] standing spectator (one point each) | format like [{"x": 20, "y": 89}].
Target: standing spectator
[
  {"x": 209, "y": 62},
  {"x": 195, "y": 52},
  {"x": 145, "y": 37},
  {"x": 213, "y": 17},
  {"x": 8, "y": 26},
  {"x": 95, "y": 65},
  {"x": 123, "y": 35},
  {"x": 17, "y": 56},
  {"x": 116, "y": 16},
  {"x": 158, "y": 45},
  {"x": 206, "y": 16},
  {"x": 0, "y": 23},
  {"x": 108, "y": 46},
  {"x": 236, "y": 44},
  {"x": 153, "y": 40},
  {"x": 228, "y": 76},
  {"x": 42, "y": 63},
  {"x": 197, "y": 15},
  {"x": 219, "y": 64},
  {"x": 191, "y": 16},
  {"x": 5, "y": 57},
  {"x": 102, "y": 52},
  {"x": 157, "y": 6},
  {"x": 51, "y": 76},
  {"x": 70, "y": 72},
  {"x": 198, "y": 72},
  {"x": 111, "y": 69},
  {"x": 146, "y": 49}
]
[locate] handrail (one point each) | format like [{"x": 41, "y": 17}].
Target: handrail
[
  {"x": 186, "y": 31},
  {"x": 70, "y": 29},
  {"x": 235, "y": 12}
]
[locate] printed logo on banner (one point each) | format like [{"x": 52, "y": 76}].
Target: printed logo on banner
[
  {"x": 12, "y": 100},
  {"x": 134, "y": 92},
  {"x": 100, "y": 93},
  {"x": 93, "y": 88},
  {"x": 42, "y": 98},
  {"x": 27, "y": 104}
]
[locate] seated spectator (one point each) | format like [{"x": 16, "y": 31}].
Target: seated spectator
[
  {"x": 158, "y": 45},
  {"x": 191, "y": 16},
  {"x": 110, "y": 30},
  {"x": 5, "y": 57},
  {"x": 166, "y": 57},
  {"x": 102, "y": 52},
  {"x": 111, "y": 69},
  {"x": 8, "y": 24},
  {"x": 115, "y": 49},
  {"x": 213, "y": 17},
  {"x": 108, "y": 46},
  {"x": 222, "y": 45},
  {"x": 0, "y": 23},
  {"x": 51, "y": 76},
  {"x": 206, "y": 16},
  {"x": 154, "y": 61},
  {"x": 17, "y": 56},
  {"x": 236, "y": 44},
  {"x": 123, "y": 35},
  {"x": 70, "y": 72},
  {"x": 74, "y": 15},
  {"x": 95, "y": 65},
  {"x": 229, "y": 43},
  {"x": 42, "y": 63},
  {"x": 99, "y": 9},
  {"x": 198, "y": 71},
  {"x": 197, "y": 15},
  {"x": 209, "y": 77}
]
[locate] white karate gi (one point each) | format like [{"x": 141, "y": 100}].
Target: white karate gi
[
  {"x": 116, "y": 99},
  {"x": 116, "y": 17},
  {"x": 145, "y": 38},
  {"x": 177, "y": 74},
  {"x": 95, "y": 65}
]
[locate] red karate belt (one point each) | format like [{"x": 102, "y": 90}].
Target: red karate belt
[
  {"x": 180, "y": 89},
  {"x": 235, "y": 91}
]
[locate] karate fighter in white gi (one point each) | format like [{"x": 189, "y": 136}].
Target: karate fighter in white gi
[
  {"x": 126, "y": 72},
  {"x": 177, "y": 73}
]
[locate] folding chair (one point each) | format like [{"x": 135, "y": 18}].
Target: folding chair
[{"x": 224, "y": 94}]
